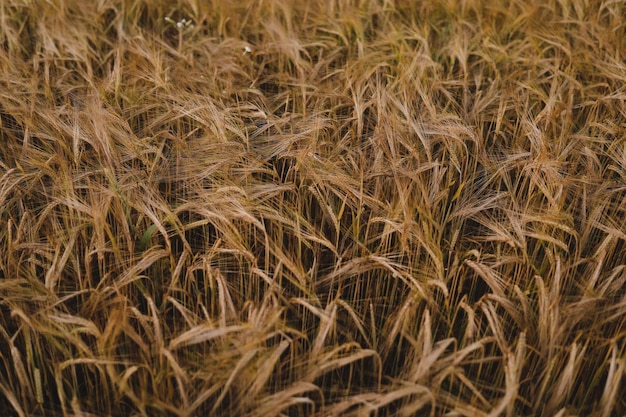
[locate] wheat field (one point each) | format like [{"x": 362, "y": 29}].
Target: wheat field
[{"x": 313, "y": 208}]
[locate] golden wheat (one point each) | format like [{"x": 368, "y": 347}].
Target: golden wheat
[{"x": 329, "y": 207}]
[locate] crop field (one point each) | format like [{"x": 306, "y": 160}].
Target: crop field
[{"x": 312, "y": 208}]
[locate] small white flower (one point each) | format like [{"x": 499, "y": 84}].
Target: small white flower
[
  {"x": 181, "y": 24},
  {"x": 247, "y": 50}
]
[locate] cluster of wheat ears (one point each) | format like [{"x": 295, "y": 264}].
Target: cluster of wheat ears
[{"x": 313, "y": 207}]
